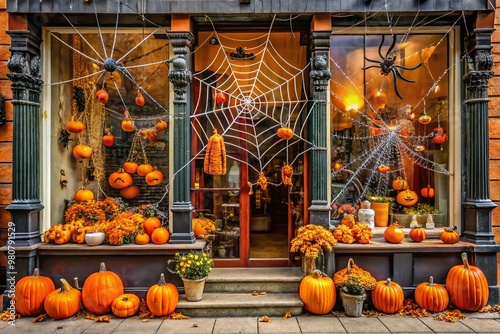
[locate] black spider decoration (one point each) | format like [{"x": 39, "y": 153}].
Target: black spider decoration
[
  {"x": 64, "y": 138},
  {"x": 387, "y": 64}
]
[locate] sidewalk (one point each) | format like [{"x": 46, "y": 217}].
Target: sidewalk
[{"x": 331, "y": 323}]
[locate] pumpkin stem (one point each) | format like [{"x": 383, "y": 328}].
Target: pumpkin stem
[
  {"x": 318, "y": 274},
  {"x": 161, "y": 281},
  {"x": 431, "y": 281},
  {"x": 350, "y": 263},
  {"x": 464, "y": 260},
  {"x": 36, "y": 273},
  {"x": 102, "y": 267},
  {"x": 125, "y": 299},
  {"x": 75, "y": 281},
  {"x": 388, "y": 282},
  {"x": 65, "y": 287}
]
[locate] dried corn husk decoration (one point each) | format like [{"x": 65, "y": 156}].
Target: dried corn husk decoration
[
  {"x": 215, "y": 157},
  {"x": 365, "y": 278},
  {"x": 262, "y": 181}
]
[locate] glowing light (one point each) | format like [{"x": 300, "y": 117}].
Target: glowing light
[
  {"x": 436, "y": 88},
  {"x": 352, "y": 107}
]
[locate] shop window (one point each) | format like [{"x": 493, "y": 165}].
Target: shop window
[
  {"x": 391, "y": 113},
  {"x": 116, "y": 84}
]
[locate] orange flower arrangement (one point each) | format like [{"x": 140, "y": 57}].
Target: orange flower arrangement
[
  {"x": 311, "y": 240},
  {"x": 90, "y": 211},
  {"x": 122, "y": 229}
]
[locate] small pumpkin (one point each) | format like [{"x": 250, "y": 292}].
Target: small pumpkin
[
  {"x": 220, "y": 97},
  {"x": 387, "y": 296},
  {"x": 75, "y": 126},
  {"x": 440, "y": 137},
  {"x": 154, "y": 178},
  {"x": 317, "y": 292},
  {"x": 150, "y": 224},
  {"x": 139, "y": 100},
  {"x": 128, "y": 125},
  {"x": 31, "y": 292},
  {"x": 427, "y": 192},
  {"x": 130, "y": 192},
  {"x": 125, "y": 305},
  {"x": 399, "y": 184},
  {"x": 432, "y": 296},
  {"x": 100, "y": 289},
  {"x": 108, "y": 139},
  {"x": 63, "y": 236},
  {"x": 202, "y": 226},
  {"x": 160, "y": 236},
  {"x": 162, "y": 298},
  {"x": 337, "y": 166},
  {"x": 63, "y": 302},
  {"x": 142, "y": 238},
  {"x": 285, "y": 132},
  {"x": 383, "y": 169},
  {"x": 130, "y": 167},
  {"x": 418, "y": 234},
  {"x": 424, "y": 119},
  {"x": 81, "y": 151},
  {"x": 407, "y": 197},
  {"x": 161, "y": 125},
  {"x": 467, "y": 286},
  {"x": 102, "y": 95},
  {"x": 83, "y": 195},
  {"x": 449, "y": 235},
  {"x": 144, "y": 169},
  {"x": 78, "y": 235},
  {"x": 120, "y": 179},
  {"x": 394, "y": 234}
]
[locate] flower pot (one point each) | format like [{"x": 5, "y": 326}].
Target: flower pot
[
  {"x": 381, "y": 214},
  {"x": 94, "y": 238},
  {"x": 193, "y": 288},
  {"x": 353, "y": 304}
]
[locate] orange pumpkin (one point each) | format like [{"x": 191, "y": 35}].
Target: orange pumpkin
[
  {"x": 83, "y": 195},
  {"x": 202, "y": 226},
  {"x": 154, "y": 178},
  {"x": 161, "y": 125},
  {"x": 75, "y": 126},
  {"x": 130, "y": 167},
  {"x": 394, "y": 234},
  {"x": 125, "y": 305},
  {"x": 142, "y": 238},
  {"x": 337, "y": 166},
  {"x": 387, "y": 296},
  {"x": 150, "y": 224},
  {"x": 108, "y": 139},
  {"x": 424, "y": 119},
  {"x": 399, "y": 184},
  {"x": 432, "y": 296},
  {"x": 139, "y": 100},
  {"x": 160, "y": 236},
  {"x": 467, "y": 286},
  {"x": 162, "y": 298},
  {"x": 63, "y": 302},
  {"x": 81, "y": 151},
  {"x": 100, "y": 289},
  {"x": 130, "y": 192},
  {"x": 31, "y": 292},
  {"x": 449, "y": 235},
  {"x": 427, "y": 192},
  {"x": 120, "y": 179},
  {"x": 220, "y": 97},
  {"x": 317, "y": 292},
  {"x": 418, "y": 234},
  {"x": 128, "y": 125},
  {"x": 383, "y": 169},
  {"x": 144, "y": 169},
  {"x": 102, "y": 95},
  {"x": 285, "y": 133},
  {"x": 407, "y": 197}
]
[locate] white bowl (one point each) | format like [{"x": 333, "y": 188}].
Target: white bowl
[{"x": 94, "y": 238}]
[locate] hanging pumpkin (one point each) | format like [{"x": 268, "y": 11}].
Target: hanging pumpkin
[
  {"x": 394, "y": 234},
  {"x": 102, "y": 95},
  {"x": 108, "y": 139},
  {"x": 150, "y": 224},
  {"x": 100, "y": 289},
  {"x": 432, "y": 296},
  {"x": 144, "y": 169},
  {"x": 427, "y": 192},
  {"x": 139, "y": 100},
  {"x": 418, "y": 234},
  {"x": 83, "y": 195},
  {"x": 440, "y": 137},
  {"x": 407, "y": 197},
  {"x": 383, "y": 169},
  {"x": 162, "y": 298},
  {"x": 31, "y": 292},
  {"x": 120, "y": 179},
  {"x": 142, "y": 238},
  {"x": 130, "y": 167},
  {"x": 449, "y": 235},
  {"x": 285, "y": 133},
  {"x": 399, "y": 184},
  {"x": 81, "y": 151},
  {"x": 130, "y": 192},
  {"x": 387, "y": 296},
  {"x": 317, "y": 292},
  {"x": 424, "y": 119},
  {"x": 160, "y": 236},
  {"x": 75, "y": 126},
  {"x": 161, "y": 125},
  {"x": 154, "y": 178},
  {"x": 125, "y": 305},
  {"x": 63, "y": 302},
  {"x": 128, "y": 125},
  {"x": 202, "y": 226},
  {"x": 215, "y": 156},
  {"x": 220, "y": 97},
  {"x": 467, "y": 286}
]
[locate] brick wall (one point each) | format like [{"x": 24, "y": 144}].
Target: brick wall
[{"x": 5, "y": 138}]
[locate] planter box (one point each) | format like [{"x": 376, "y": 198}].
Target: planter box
[{"x": 404, "y": 220}]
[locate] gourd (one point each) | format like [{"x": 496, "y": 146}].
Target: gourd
[
  {"x": 31, "y": 292},
  {"x": 144, "y": 169},
  {"x": 130, "y": 192},
  {"x": 78, "y": 234},
  {"x": 467, "y": 286},
  {"x": 154, "y": 178},
  {"x": 83, "y": 195},
  {"x": 160, "y": 236},
  {"x": 100, "y": 289},
  {"x": 120, "y": 179},
  {"x": 63, "y": 302},
  {"x": 162, "y": 298},
  {"x": 407, "y": 197},
  {"x": 418, "y": 234},
  {"x": 285, "y": 133},
  {"x": 399, "y": 183},
  {"x": 317, "y": 292},
  {"x": 75, "y": 126},
  {"x": 432, "y": 296},
  {"x": 449, "y": 235},
  {"x": 142, "y": 238},
  {"x": 150, "y": 224},
  {"x": 387, "y": 296},
  {"x": 81, "y": 151},
  {"x": 63, "y": 236},
  {"x": 125, "y": 305},
  {"x": 394, "y": 234},
  {"x": 202, "y": 226}
]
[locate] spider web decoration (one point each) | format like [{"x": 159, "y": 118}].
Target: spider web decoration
[{"x": 263, "y": 89}]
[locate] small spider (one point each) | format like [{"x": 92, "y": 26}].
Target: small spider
[
  {"x": 64, "y": 138},
  {"x": 387, "y": 64}
]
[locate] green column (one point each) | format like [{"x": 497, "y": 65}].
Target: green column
[{"x": 180, "y": 77}]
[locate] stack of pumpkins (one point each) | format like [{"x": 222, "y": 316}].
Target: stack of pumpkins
[
  {"x": 466, "y": 289},
  {"x": 152, "y": 231},
  {"x": 102, "y": 293}
]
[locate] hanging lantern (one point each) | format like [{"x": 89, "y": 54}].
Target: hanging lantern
[
  {"x": 139, "y": 100},
  {"x": 383, "y": 169},
  {"x": 337, "y": 166},
  {"x": 440, "y": 136},
  {"x": 420, "y": 148},
  {"x": 424, "y": 119}
]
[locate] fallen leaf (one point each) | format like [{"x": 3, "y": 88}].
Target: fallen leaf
[
  {"x": 262, "y": 293},
  {"x": 178, "y": 316},
  {"x": 287, "y": 315},
  {"x": 265, "y": 319},
  {"x": 255, "y": 293},
  {"x": 41, "y": 317}
]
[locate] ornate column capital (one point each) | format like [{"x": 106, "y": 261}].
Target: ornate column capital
[
  {"x": 24, "y": 75},
  {"x": 179, "y": 75},
  {"x": 320, "y": 74}
]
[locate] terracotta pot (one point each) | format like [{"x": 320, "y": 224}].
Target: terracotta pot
[
  {"x": 193, "y": 288},
  {"x": 381, "y": 214}
]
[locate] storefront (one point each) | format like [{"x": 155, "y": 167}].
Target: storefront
[{"x": 261, "y": 123}]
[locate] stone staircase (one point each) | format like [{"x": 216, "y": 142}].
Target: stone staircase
[{"x": 228, "y": 293}]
